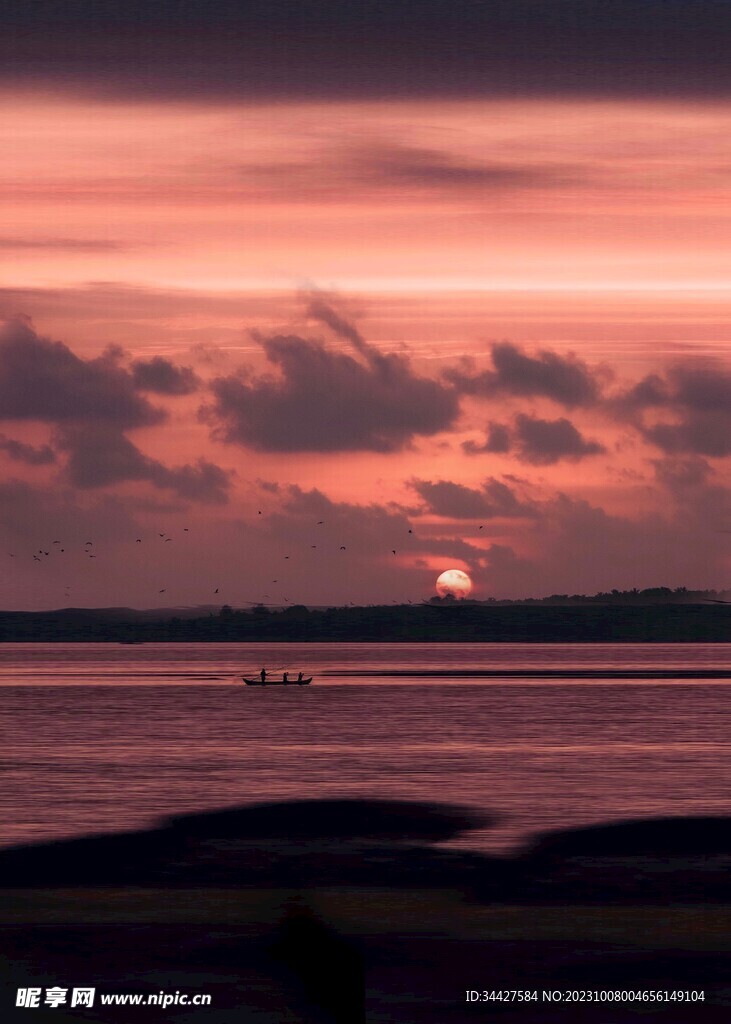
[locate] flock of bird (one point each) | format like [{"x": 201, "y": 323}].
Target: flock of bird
[{"x": 89, "y": 550}]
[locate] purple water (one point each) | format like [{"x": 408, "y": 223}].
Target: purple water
[{"x": 104, "y": 737}]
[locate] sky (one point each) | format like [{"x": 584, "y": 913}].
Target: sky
[{"x": 306, "y": 302}]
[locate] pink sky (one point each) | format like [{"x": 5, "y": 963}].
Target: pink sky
[{"x": 588, "y": 238}]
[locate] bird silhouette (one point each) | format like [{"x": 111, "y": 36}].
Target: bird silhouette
[
  {"x": 313, "y": 546},
  {"x": 36, "y": 558},
  {"x": 11, "y": 555},
  {"x": 168, "y": 539},
  {"x": 92, "y": 556},
  {"x": 161, "y": 534},
  {"x": 411, "y": 531},
  {"x": 480, "y": 527},
  {"x": 259, "y": 513},
  {"x": 342, "y": 547},
  {"x": 215, "y": 591},
  {"x": 185, "y": 529},
  {"x": 139, "y": 540},
  {"x": 162, "y": 591},
  {"x": 320, "y": 522},
  {"x": 392, "y": 551},
  {"x": 56, "y": 542},
  {"x": 286, "y": 557},
  {"x": 87, "y": 543}
]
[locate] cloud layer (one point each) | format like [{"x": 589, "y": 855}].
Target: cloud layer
[{"x": 292, "y": 48}]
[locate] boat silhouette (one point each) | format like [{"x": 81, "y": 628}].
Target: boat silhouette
[{"x": 276, "y": 682}]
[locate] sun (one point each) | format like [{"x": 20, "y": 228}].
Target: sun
[{"x": 454, "y": 583}]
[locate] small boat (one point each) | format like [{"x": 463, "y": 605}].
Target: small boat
[{"x": 276, "y": 682}]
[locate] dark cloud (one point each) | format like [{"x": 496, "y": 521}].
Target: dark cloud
[
  {"x": 325, "y": 48},
  {"x": 544, "y": 442},
  {"x": 27, "y": 453},
  {"x": 326, "y": 400},
  {"x": 455, "y": 501},
  {"x": 44, "y": 380},
  {"x": 577, "y": 547},
  {"x": 696, "y": 396},
  {"x": 680, "y": 474},
  {"x": 704, "y": 388},
  {"x": 651, "y": 391},
  {"x": 104, "y": 456},
  {"x": 536, "y": 441},
  {"x": 163, "y": 377},
  {"x": 564, "y": 379},
  {"x": 498, "y": 441},
  {"x": 706, "y": 433}
]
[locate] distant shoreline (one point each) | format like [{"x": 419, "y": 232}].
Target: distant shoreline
[{"x": 422, "y": 623}]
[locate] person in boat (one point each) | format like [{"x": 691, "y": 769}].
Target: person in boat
[
  {"x": 284, "y": 677},
  {"x": 300, "y": 677},
  {"x": 263, "y": 675}
]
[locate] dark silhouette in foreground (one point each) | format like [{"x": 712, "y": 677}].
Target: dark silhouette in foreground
[{"x": 333, "y": 910}]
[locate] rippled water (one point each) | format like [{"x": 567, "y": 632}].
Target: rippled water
[{"x": 104, "y": 737}]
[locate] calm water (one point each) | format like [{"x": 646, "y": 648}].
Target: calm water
[{"x": 106, "y": 737}]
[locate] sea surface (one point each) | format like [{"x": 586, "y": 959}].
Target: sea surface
[{"x": 108, "y": 737}]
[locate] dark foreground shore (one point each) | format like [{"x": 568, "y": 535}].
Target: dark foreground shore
[{"x": 340, "y": 912}]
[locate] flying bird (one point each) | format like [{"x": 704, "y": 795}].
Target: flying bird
[
  {"x": 185, "y": 529},
  {"x": 168, "y": 539},
  {"x": 480, "y": 527},
  {"x": 313, "y": 546},
  {"x": 161, "y": 534},
  {"x": 56, "y": 542},
  {"x": 342, "y": 547},
  {"x": 162, "y": 591},
  {"x": 215, "y": 591},
  {"x": 411, "y": 531},
  {"x": 392, "y": 551}
]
